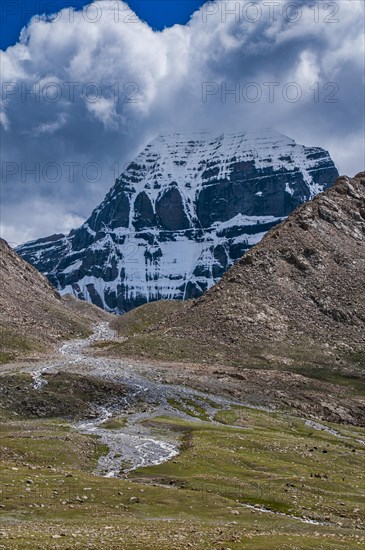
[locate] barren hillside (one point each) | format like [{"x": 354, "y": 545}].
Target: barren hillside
[{"x": 33, "y": 317}]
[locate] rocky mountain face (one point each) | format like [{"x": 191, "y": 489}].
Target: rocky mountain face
[
  {"x": 182, "y": 213},
  {"x": 33, "y": 316}
]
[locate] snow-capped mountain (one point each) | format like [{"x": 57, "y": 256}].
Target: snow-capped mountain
[{"x": 182, "y": 213}]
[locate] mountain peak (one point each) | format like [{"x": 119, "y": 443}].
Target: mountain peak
[{"x": 187, "y": 208}]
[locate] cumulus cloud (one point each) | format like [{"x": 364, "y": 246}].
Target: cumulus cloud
[{"x": 84, "y": 91}]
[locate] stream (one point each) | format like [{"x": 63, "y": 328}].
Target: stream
[{"x": 134, "y": 444}]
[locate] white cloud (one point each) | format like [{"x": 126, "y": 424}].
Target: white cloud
[
  {"x": 51, "y": 126},
  {"x": 80, "y": 92}
]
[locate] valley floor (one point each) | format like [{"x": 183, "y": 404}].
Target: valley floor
[{"x": 99, "y": 452}]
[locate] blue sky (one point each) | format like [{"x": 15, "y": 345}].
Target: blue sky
[{"x": 157, "y": 13}]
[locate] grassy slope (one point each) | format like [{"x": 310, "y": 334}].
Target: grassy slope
[
  {"x": 68, "y": 395},
  {"x": 144, "y": 340},
  {"x": 65, "y": 318},
  {"x": 144, "y": 318},
  {"x": 191, "y": 501},
  {"x": 272, "y": 462}
]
